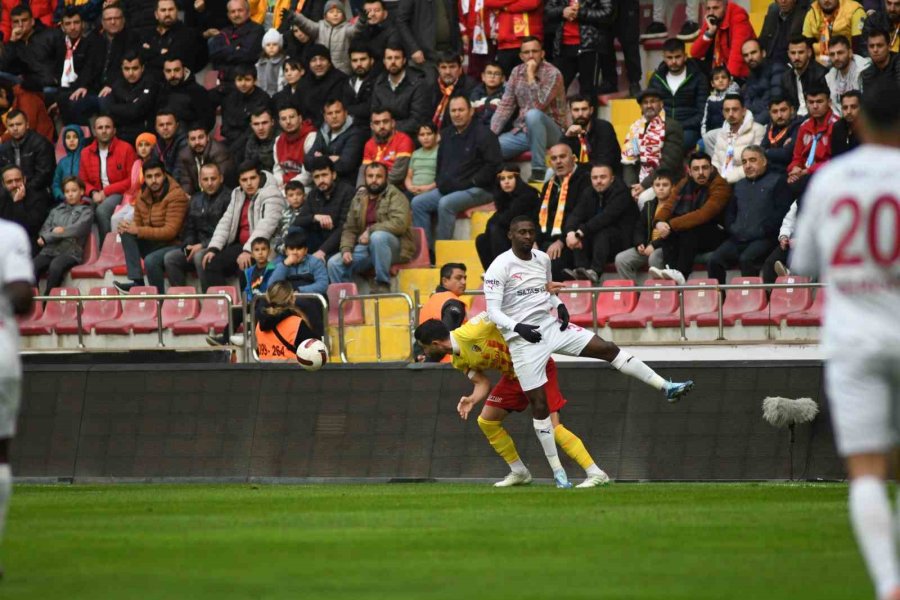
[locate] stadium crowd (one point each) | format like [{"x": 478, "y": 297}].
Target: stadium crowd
[{"x": 307, "y": 152}]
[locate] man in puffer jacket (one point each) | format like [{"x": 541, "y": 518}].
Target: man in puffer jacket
[
  {"x": 254, "y": 212},
  {"x": 578, "y": 42},
  {"x": 158, "y": 216},
  {"x": 739, "y": 131},
  {"x": 684, "y": 89}
]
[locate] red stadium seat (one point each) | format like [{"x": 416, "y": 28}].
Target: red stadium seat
[
  {"x": 578, "y": 304},
  {"x": 214, "y": 314},
  {"x": 479, "y": 305},
  {"x": 37, "y": 309},
  {"x": 112, "y": 258},
  {"x": 524, "y": 157},
  {"x": 53, "y": 313},
  {"x": 783, "y": 302},
  {"x": 737, "y": 303},
  {"x": 650, "y": 303},
  {"x": 609, "y": 303},
  {"x": 812, "y": 316},
  {"x": 353, "y": 311},
  {"x": 91, "y": 248},
  {"x": 94, "y": 312},
  {"x": 421, "y": 259},
  {"x": 136, "y": 315},
  {"x": 179, "y": 309},
  {"x": 696, "y": 302}
]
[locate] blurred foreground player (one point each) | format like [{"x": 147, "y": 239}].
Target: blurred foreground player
[
  {"x": 16, "y": 281},
  {"x": 519, "y": 303},
  {"x": 477, "y": 347},
  {"x": 849, "y": 235}
]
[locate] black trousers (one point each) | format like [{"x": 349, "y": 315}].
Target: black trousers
[
  {"x": 748, "y": 255},
  {"x": 627, "y": 29},
  {"x": 491, "y": 244},
  {"x": 768, "y": 270},
  {"x": 56, "y": 268},
  {"x": 682, "y": 247},
  {"x": 572, "y": 62},
  {"x": 224, "y": 265},
  {"x": 599, "y": 250},
  {"x": 557, "y": 265}
]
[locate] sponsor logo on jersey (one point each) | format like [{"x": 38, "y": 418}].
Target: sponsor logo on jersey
[
  {"x": 516, "y": 276},
  {"x": 530, "y": 291},
  {"x": 491, "y": 283}
]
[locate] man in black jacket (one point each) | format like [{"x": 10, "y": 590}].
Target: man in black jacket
[
  {"x": 426, "y": 29},
  {"x": 238, "y": 102},
  {"x": 593, "y": 140},
  {"x": 781, "y": 134},
  {"x": 260, "y": 145},
  {"x": 170, "y": 38},
  {"x": 321, "y": 82},
  {"x": 29, "y": 151},
  {"x": 21, "y": 204},
  {"x": 844, "y": 133},
  {"x": 783, "y": 22},
  {"x": 401, "y": 91},
  {"x": 885, "y": 64},
  {"x": 322, "y": 215},
  {"x": 467, "y": 163},
  {"x": 359, "y": 87},
  {"x": 601, "y": 224},
  {"x": 202, "y": 150},
  {"x": 339, "y": 139},
  {"x": 451, "y": 81},
  {"x": 683, "y": 88},
  {"x": 803, "y": 73},
  {"x": 133, "y": 100},
  {"x": 752, "y": 218},
  {"x": 181, "y": 94},
  {"x": 204, "y": 211},
  {"x": 239, "y": 43},
  {"x": 380, "y": 29},
  {"x": 763, "y": 83},
  {"x": 75, "y": 63},
  {"x": 29, "y": 53}
]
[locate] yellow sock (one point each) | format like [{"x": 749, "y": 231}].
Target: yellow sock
[
  {"x": 572, "y": 445},
  {"x": 500, "y": 439}
]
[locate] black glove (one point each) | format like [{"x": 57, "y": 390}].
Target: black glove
[
  {"x": 529, "y": 333},
  {"x": 287, "y": 16},
  {"x": 563, "y": 313}
]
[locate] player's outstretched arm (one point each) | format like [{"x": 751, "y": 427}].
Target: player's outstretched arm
[{"x": 479, "y": 393}]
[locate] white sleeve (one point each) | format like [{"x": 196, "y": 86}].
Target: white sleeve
[
  {"x": 15, "y": 258},
  {"x": 805, "y": 252},
  {"x": 789, "y": 223},
  {"x": 494, "y": 283}
]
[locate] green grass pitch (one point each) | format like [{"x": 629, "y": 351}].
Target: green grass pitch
[{"x": 432, "y": 541}]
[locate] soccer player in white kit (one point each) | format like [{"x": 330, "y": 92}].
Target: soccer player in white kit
[
  {"x": 16, "y": 281},
  {"x": 515, "y": 289},
  {"x": 849, "y": 234}
]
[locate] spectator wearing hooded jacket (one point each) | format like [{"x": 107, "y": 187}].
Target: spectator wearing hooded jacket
[
  {"x": 814, "y": 138},
  {"x": 725, "y": 28},
  {"x": 763, "y": 81},
  {"x": 683, "y": 88},
  {"x": 320, "y": 83},
  {"x": 291, "y": 146},
  {"x": 73, "y": 143},
  {"x": 334, "y": 31}
]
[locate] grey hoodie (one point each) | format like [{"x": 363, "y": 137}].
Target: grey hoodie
[{"x": 265, "y": 214}]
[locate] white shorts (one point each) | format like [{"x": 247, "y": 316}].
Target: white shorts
[
  {"x": 864, "y": 396},
  {"x": 530, "y": 360},
  {"x": 10, "y": 395}
]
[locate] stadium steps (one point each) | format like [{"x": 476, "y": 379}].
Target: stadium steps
[
  {"x": 460, "y": 251},
  {"x": 360, "y": 343}
]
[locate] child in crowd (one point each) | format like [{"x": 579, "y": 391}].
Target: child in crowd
[
  {"x": 296, "y": 197},
  {"x": 64, "y": 235},
  {"x": 269, "y": 68},
  {"x": 722, "y": 85},
  {"x": 73, "y": 142},
  {"x": 255, "y": 279},
  {"x": 306, "y": 273},
  {"x": 334, "y": 31},
  {"x": 144, "y": 145},
  {"x": 487, "y": 95},
  {"x": 420, "y": 177}
]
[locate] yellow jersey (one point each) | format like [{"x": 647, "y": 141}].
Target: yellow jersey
[{"x": 481, "y": 347}]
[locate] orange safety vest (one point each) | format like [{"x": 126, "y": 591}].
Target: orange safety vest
[
  {"x": 269, "y": 347},
  {"x": 432, "y": 310}
]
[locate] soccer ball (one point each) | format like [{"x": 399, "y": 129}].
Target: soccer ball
[{"x": 312, "y": 354}]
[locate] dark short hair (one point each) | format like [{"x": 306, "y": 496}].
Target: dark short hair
[
  {"x": 243, "y": 70},
  {"x": 249, "y": 165},
  {"x": 799, "y": 39},
  {"x": 375, "y": 165},
  {"x": 448, "y": 268},
  {"x": 449, "y": 57},
  {"x": 718, "y": 71},
  {"x": 380, "y": 111},
  {"x": 531, "y": 38},
  {"x": 839, "y": 39},
  {"x": 878, "y": 32},
  {"x": 673, "y": 45},
  {"x": 431, "y": 331},
  {"x": 195, "y": 126},
  {"x": 664, "y": 174},
  {"x": 288, "y": 104},
  {"x": 153, "y": 163},
  {"x": 166, "y": 110},
  {"x": 699, "y": 156},
  {"x": 70, "y": 12},
  {"x": 20, "y": 10},
  {"x": 294, "y": 62},
  {"x": 879, "y": 107},
  {"x": 132, "y": 55},
  {"x": 319, "y": 163},
  {"x": 778, "y": 99},
  {"x": 295, "y": 238},
  {"x": 331, "y": 101},
  {"x": 852, "y": 94},
  {"x": 519, "y": 219},
  {"x": 262, "y": 110},
  {"x": 603, "y": 165},
  {"x": 817, "y": 89},
  {"x": 260, "y": 240},
  {"x": 429, "y": 125},
  {"x": 7, "y": 168},
  {"x": 358, "y": 46},
  {"x": 735, "y": 97},
  {"x": 578, "y": 98},
  {"x": 395, "y": 46},
  {"x": 16, "y": 113},
  {"x": 73, "y": 179},
  {"x": 465, "y": 99},
  {"x": 295, "y": 186}
]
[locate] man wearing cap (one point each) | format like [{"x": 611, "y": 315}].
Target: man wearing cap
[
  {"x": 320, "y": 83},
  {"x": 655, "y": 141}
]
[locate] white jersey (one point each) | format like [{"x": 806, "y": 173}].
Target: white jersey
[
  {"x": 15, "y": 265},
  {"x": 848, "y": 234},
  {"x": 515, "y": 291}
]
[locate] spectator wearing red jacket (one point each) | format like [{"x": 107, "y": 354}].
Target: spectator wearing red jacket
[
  {"x": 41, "y": 10},
  {"x": 724, "y": 31},
  {"x": 516, "y": 19},
  {"x": 813, "y": 146},
  {"x": 106, "y": 171}
]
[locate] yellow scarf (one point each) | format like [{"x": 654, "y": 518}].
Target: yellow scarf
[{"x": 544, "y": 215}]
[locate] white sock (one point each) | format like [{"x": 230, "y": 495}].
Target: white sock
[
  {"x": 5, "y": 493},
  {"x": 518, "y": 467},
  {"x": 544, "y": 430},
  {"x": 635, "y": 367},
  {"x": 593, "y": 470},
  {"x": 870, "y": 515}
]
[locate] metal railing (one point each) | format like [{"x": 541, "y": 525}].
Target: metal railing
[
  {"x": 158, "y": 298},
  {"x": 377, "y": 298},
  {"x": 250, "y": 344}
]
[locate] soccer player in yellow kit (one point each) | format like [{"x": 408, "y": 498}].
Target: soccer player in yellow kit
[{"x": 477, "y": 347}]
